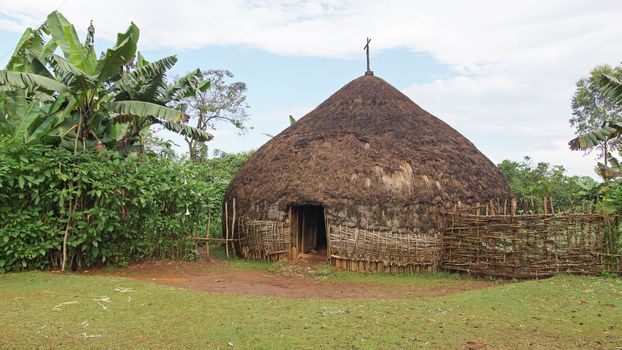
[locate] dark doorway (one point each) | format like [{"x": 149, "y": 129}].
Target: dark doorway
[{"x": 308, "y": 231}]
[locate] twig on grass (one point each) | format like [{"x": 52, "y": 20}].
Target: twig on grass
[
  {"x": 58, "y": 307},
  {"x": 87, "y": 336},
  {"x": 101, "y": 300}
]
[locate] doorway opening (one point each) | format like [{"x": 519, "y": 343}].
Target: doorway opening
[{"x": 308, "y": 231}]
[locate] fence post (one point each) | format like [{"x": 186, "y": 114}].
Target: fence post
[
  {"x": 546, "y": 206},
  {"x": 209, "y": 219}
]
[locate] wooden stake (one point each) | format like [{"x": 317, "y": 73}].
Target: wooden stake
[
  {"x": 327, "y": 229},
  {"x": 209, "y": 219},
  {"x": 196, "y": 242},
  {"x": 546, "y": 207},
  {"x": 62, "y": 268},
  {"x": 302, "y": 243},
  {"x": 356, "y": 237}
]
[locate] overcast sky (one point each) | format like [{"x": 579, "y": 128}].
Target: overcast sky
[{"x": 502, "y": 73}]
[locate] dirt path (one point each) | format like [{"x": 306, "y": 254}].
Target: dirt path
[{"x": 220, "y": 278}]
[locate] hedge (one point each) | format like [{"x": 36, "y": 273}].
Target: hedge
[{"x": 114, "y": 208}]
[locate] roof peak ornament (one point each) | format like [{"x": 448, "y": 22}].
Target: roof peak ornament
[{"x": 366, "y": 48}]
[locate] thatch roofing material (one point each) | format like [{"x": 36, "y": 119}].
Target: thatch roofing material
[{"x": 367, "y": 145}]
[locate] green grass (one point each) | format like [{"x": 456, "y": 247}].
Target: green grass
[
  {"x": 561, "y": 312},
  {"x": 427, "y": 278},
  {"x": 329, "y": 273},
  {"x": 234, "y": 263},
  {"x": 325, "y": 272}
]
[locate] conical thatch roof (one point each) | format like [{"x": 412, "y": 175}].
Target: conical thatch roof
[{"x": 368, "y": 145}]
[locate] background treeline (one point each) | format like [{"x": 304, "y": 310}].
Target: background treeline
[{"x": 533, "y": 182}]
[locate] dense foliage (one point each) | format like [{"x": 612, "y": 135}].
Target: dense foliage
[
  {"x": 113, "y": 208},
  {"x": 531, "y": 183},
  {"x": 220, "y": 170}
]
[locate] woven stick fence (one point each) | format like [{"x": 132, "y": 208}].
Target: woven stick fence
[
  {"x": 360, "y": 249},
  {"x": 525, "y": 246},
  {"x": 263, "y": 239}
]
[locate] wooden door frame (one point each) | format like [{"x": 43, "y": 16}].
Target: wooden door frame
[{"x": 297, "y": 227}]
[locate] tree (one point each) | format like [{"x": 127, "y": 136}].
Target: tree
[
  {"x": 151, "y": 85},
  {"x": 592, "y": 107},
  {"x": 532, "y": 183},
  {"x": 223, "y": 102},
  {"x": 100, "y": 98},
  {"x": 609, "y": 133}
]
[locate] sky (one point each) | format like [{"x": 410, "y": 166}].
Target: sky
[{"x": 501, "y": 73}]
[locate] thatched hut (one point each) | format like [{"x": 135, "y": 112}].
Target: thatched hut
[{"x": 364, "y": 179}]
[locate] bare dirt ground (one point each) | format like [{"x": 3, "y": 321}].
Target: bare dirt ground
[{"x": 290, "y": 281}]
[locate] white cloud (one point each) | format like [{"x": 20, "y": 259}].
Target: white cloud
[
  {"x": 516, "y": 62},
  {"x": 458, "y": 33},
  {"x": 507, "y": 116}
]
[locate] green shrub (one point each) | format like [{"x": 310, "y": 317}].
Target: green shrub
[{"x": 115, "y": 208}]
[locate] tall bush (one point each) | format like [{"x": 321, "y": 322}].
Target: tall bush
[{"x": 111, "y": 208}]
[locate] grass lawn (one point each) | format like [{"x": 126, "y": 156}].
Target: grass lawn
[{"x": 52, "y": 311}]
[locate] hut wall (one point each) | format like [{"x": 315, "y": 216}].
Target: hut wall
[
  {"x": 419, "y": 218},
  {"x": 375, "y": 248},
  {"x": 416, "y": 217},
  {"x": 360, "y": 238}
]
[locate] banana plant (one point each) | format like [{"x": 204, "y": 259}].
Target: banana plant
[
  {"x": 589, "y": 188},
  {"x": 147, "y": 82},
  {"x": 35, "y": 120},
  {"x": 594, "y": 138},
  {"x": 107, "y": 100},
  {"x": 29, "y": 112},
  {"x": 611, "y": 86},
  {"x": 292, "y": 121},
  {"x": 611, "y": 168}
]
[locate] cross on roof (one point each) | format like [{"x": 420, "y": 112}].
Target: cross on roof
[{"x": 366, "y": 48}]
